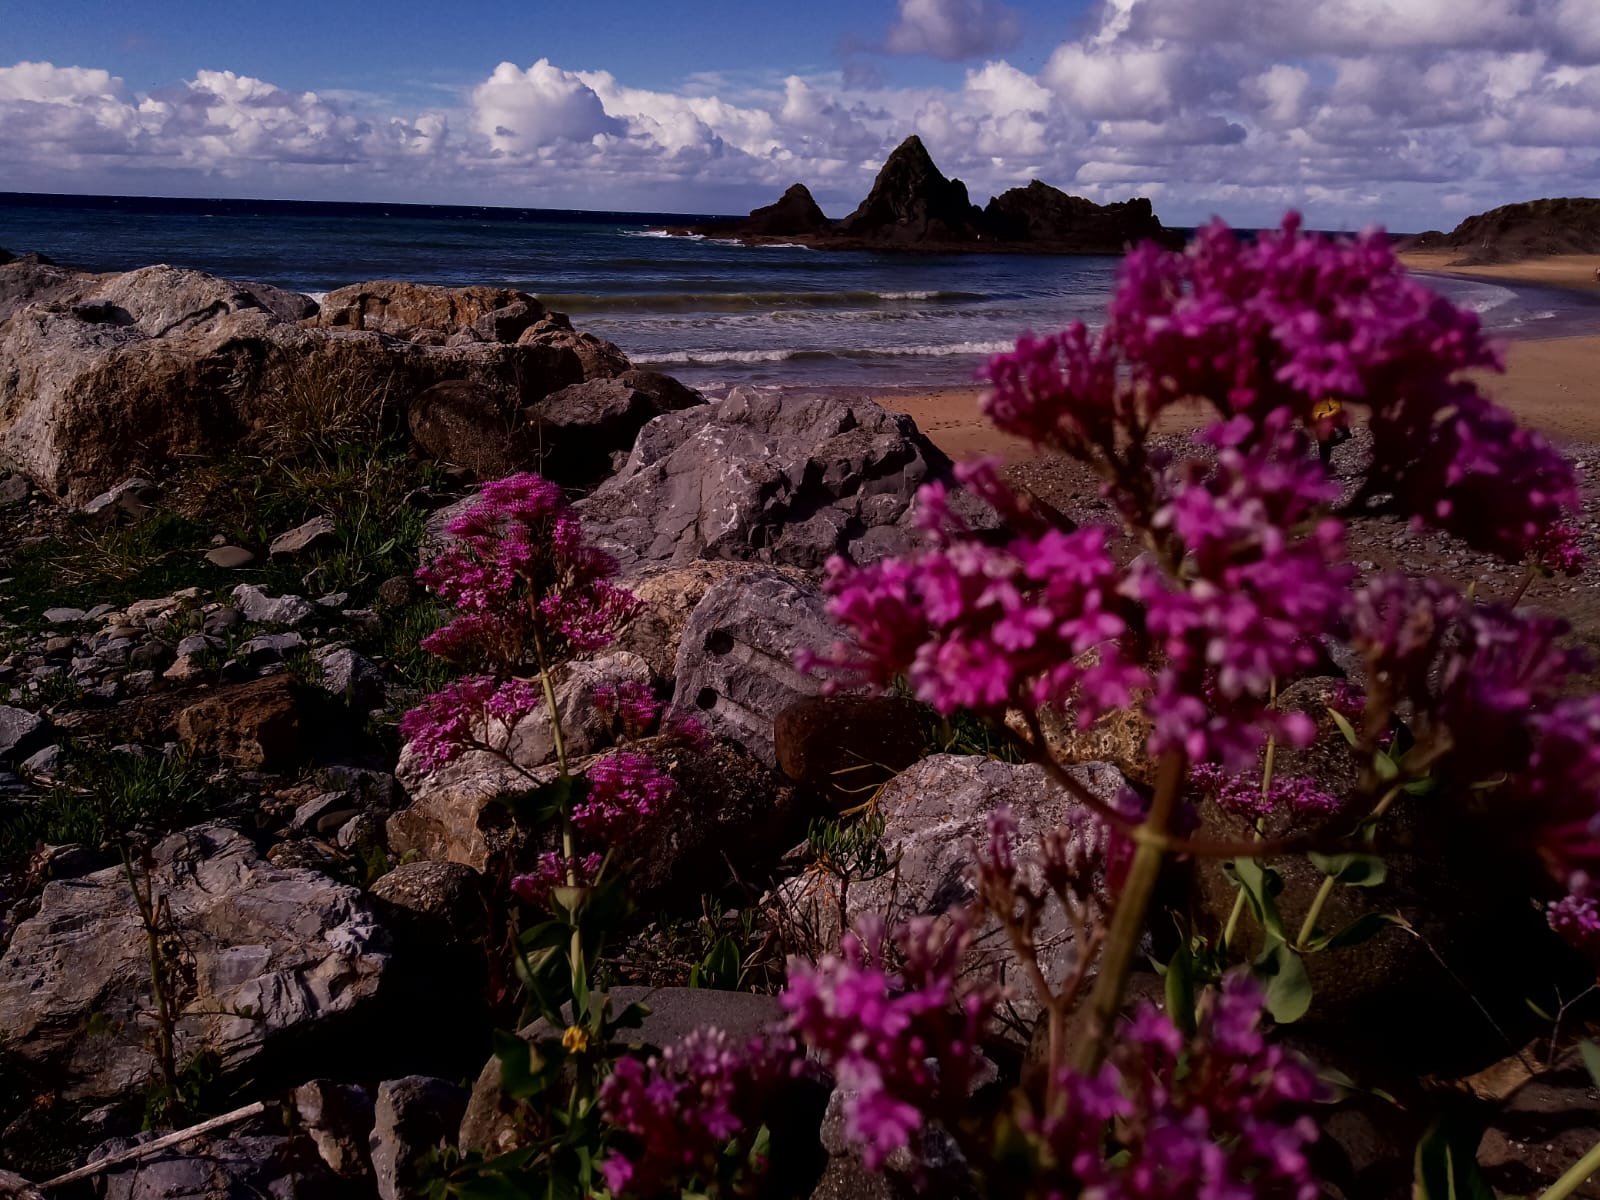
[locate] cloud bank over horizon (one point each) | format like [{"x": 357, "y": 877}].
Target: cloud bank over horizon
[{"x": 1357, "y": 111}]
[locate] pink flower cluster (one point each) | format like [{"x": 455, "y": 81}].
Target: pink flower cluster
[
  {"x": 550, "y": 872},
  {"x": 900, "y": 1042},
  {"x": 678, "y": 1110},
  {"x": 519, "y": 566},
  {"x": 1212, "y": 1117},
  {"x": 630, "y": 706},
  {"x": 1294, "y": 796},
  {"x": 978, "y": 625},
  {"x": 1576, "y": 918},
  {"x": 1556, "y": 549},
  {"x": 626, "y": 794},
  {"x": 1279, "y": 324},
  {"x": 456, "y": 719}
]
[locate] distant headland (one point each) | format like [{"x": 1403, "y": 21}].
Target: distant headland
[{"x": 913, "y": 208}]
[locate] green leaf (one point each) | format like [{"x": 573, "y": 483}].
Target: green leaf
[
  {"x": 1362, "y": 929},
  {"x": 1352, "y": 870},
  {"x": 1288, "y": 987},
  {"x": 1180, "y": 990},
  {"x": 1446, "y": 1168},
  {"x": 1591, "y": 1059},
  {"x": 1385, "y": 766},
  {"x": 1345, "y": 727},
  {"x": 1538, "y": 1012},
  {"x": 1261, "y": 885}
]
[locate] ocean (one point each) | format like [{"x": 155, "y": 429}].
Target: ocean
[{"x": 709, "y": 311}]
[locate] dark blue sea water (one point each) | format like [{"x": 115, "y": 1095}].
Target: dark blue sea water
[{"x": 705, "y": 310}]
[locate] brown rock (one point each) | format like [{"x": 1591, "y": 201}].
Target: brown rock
[
  {"x": 260, "y": 725},
  {"x": 1542, "y": 1130},
  {"x": 594, "y": 358},
  {"x": 845, "y": 746},
  {"x": 399, "y": 308},
  {"x": 579, "y": 429},
  {"x": 397, "y": 591},
  {"x": 466, "y": 424}
]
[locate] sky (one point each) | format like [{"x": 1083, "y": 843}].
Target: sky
[{"x": 1407, "y": 113}]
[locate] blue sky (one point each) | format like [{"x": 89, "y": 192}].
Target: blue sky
[{"x": 1409, "y": 112}]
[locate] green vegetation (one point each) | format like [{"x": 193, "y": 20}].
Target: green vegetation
[{"x": 104, "y": 796}]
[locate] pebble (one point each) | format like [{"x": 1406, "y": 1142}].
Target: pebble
[
  {"x": 44, "y": 762},
  {"x": 257, "y": 606},
  {"x": 316, "y": 532},
  {"x": 230, "y": 557},
  {"x": 64, "y": 616}
]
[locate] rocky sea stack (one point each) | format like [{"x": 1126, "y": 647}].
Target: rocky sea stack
[{"x": 913, "y": 207}]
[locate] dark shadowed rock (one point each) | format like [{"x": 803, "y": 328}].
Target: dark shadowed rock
[
  {"x": 735, "y": 671},
  {"x": 772, "y": 478},
  {"x": 794, "y": 213},
  {"x": 21, "y": 733},
  {"x": 296, "y": 956},
  {"x": 844, "y": 746},
  {"x": 338, "y": 1119},
  {"x": 1048, "y": 217},
  {"x": 1542, "y": 1129},
  {"x": 261, "y": 1166},
  {"x": 576, "y": 431},
  {"x": 415, "y": 1115},
  {"x": 1569, "y": 225},
  {"x": 911, "y": 201},
  {"x": 466, "y": 424}
]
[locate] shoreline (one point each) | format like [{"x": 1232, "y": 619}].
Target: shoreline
[
  {"x": 1550, "y": 383},
  {"x": 1570, "y": 272}
]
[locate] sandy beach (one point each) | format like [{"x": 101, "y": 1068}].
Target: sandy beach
[{"x": 1551, "y": 383}]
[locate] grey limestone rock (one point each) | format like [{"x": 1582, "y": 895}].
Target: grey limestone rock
[
  {"x": 735, "y": 669},
  {"x": 298, "y": 957},
  {"x": 414, "y": 1115}
]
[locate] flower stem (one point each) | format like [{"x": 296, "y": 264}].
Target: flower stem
[
  {"x": 1309, "y": 925},
  {"x": 568, "y": 840},
  {"x": 1127, "y": 922},
  {"x": 1516, "y": 596}
]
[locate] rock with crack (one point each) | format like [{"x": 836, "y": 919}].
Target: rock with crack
[
  {"x": 415, "y": 1115},
  {"x": 736, "y": 662},
  {"x": 278, "y": 968},
  {"x": 771, "y": 478},
  {"x": 261, "y": 1166},
  {"x": 935, "y": 819}
]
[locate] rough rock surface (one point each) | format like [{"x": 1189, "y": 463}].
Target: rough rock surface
[
  {"x": 844, "y": 746},
  {"x": 935, "y": 815},
  {"x": 1047, "y": 216},
  {"x": 261, "y": 1166},
  {"x": 445, "y": 819},
  {"x": 911, "y": 201},
  {"x": 467, "y": 424},
  {"x": 177, "y": 363},
  {"x": 255, "y": 725},
  {"x": 769, "y": 477},
  {"x": 414, "y": 1115},
  {"x": 338, "y": 1119},
  {"x": 301, "y": 953},
  {"x": 736, "y": 662},
  {"x": 575, "y": 432},
  {"x": 794, "y": 212}
]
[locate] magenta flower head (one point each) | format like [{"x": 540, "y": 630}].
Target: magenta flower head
[
  {"x": 627, "y": 793},
  {"x": 523, "y": 579},
  {"x": 672, "y": 1115},
  {"x": 1279, "y": 324},
  {"x": 1219, "y": 1115},
  {"x": 901, "y": 1042}
]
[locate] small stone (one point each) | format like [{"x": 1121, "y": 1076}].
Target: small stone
[
  {"x": 334, "y": 600},
  {"x": 14, "y": 489},
  {"x": 314, "y": 533},
  {"x": 350, "y": 677},
  {"x": 222, "y": 620},
  {"x": 64, "y": 616},
  {"x": 21, "y": 732},
  {"x": 363, "y": 829},
  {"x": 258, "y": 725},
  {"x": 131, "y": 500},
  {"x": 186, "y": 669},
  {"x": 306, "y": 816},
  {"x": 230, "y": 557},
  {"x": 57, "y": 647},
  {"x": 413, "y": 1116},
  {"x": 151, "y": 656},
  {"x": 257, "y": 606},
  {"x": 270, "y": 647},
  {"x": 44, "y": 763},
  {"x": 396, "y": 592},
  {"x": 98, "y": 611},
  {"x": 144, "y": 610},
  {"x": 199, "y": 643},
  {"x": 123, "y": 631},
  {"x": 136, "y": 683}
]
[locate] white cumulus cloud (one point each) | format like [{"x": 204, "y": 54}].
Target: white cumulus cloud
[{"x": 953, "y": 30}]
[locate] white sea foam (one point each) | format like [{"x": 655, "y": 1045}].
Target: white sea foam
[{"x": 713, "y": 357}]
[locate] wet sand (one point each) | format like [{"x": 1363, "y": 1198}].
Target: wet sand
[{"x": 1558, "y": 270}]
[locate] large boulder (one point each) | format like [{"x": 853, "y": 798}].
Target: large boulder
[
  {"x": 1049, "y": 218},
  {"x": 935, "y": 818},
  {"x": 769, "y": 477},
  {"x": 795, "y": 212},
  {"x": 414, "y": 1116},
  {"x": 277, "y": 966},
  {"x": 165, "y": 363},
  {"x": 260, "y": 725},
  {"x": 468, "y": 424},
  {"x": 736, "y": 662}
]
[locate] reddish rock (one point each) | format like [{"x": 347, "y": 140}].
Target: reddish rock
[
  {"x": 845, "y": 746},
  {"x": 259, "y": 725}
]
